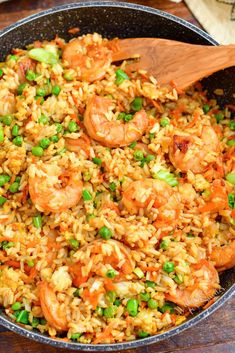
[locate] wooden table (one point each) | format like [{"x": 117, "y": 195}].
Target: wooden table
[{"x": 213, "y": 335}]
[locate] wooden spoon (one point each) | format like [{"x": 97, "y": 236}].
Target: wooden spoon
[{"x": 171, "y": 61}]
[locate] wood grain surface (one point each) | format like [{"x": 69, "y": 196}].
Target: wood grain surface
[{"x": 214, "y": 334}]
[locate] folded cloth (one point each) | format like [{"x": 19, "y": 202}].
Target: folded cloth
[{"x": 217, "y": 17}]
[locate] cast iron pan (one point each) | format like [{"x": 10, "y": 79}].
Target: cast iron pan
[{"x": 116, "y": 20}]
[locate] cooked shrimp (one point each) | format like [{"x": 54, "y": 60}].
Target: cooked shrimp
[
  {"x": 112, "y": 133},
  {"x": 91, "y": 59},
  {"x": 152, "y": 193},
  {"x": 224, "y": 256},
  {"x": 218, "y": 199},
  {"x": 99, "y": 256},
  {"x": 51, "y": 307},
  {"x": 206, "y": 282},
  {"x": 188, "y": 152},
  {"x": 7, "y": 102},
  {"x": 53, "y": 189},
  {"x": 76, "y": 145}
]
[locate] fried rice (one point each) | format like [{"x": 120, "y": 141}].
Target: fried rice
[{"x": 117, "y": 205}]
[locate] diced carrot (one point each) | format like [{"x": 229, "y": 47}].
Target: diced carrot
[
  {"x": 194, "y": 120},
  {"x": 178, "y": 89},
  {"x": 74, "y": 30},
  {"x": 13, "y": 263},
  {"x": 233, "y": 213},
  {"x": 105, "y": 334},
  {"x": 108, "y": 284},
  {"x": 92, "y": 297}
]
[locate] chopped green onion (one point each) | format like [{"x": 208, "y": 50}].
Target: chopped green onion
[
  {"x": 231, "y": 201},
  {"x": 41, "y": 92},
  {"x": 16, "y": 306},
  {"x": 121, "y": 116},
  {"x": 105, "y": 233},
  {"x": 69, "y": 75},
  {"x": 167, "y": 307},
  {"x": 117, "y": 302},
  {"x": 30, "y": 75},
  {"x": 166, "y": 176},
  {"x": 151, "y": 136},
  {"x": 14, "y": 187},
  {"x": 2, "y": 200},
  {"x": 42, "y": 55},
  {"x": 1, "y": 134},
  {"x": 37, "y": 221},
  {"x": 23, "y": 317},
  {"x": 43, "y": 119},
  {"x": 13, "y": 57},
  {"x": 152, "y": 304},
  {"x": 231, "y": 178},
  {"x": 97, "y": 161},
  {"x": 144, "y": 296},
  {"x": 86, "y": 176},
  {"x": 178, "y": 278},
  {"x": 136, "y": 105},
  {"x": 142, "y": 334},
  {"x": 111, "y": 273},
  {"x": 99, "y": 311},
  {"x": 132, "y": 307},
  {"x": 121, "y": 76},
  {"x": 138, "y": 272},
  {"x": 111, "y": 295},
  {"x": 231, "y": 143},
  {"x": 1, "y": 73},
  {"x": 219, "y": 117},
  {"x": 150, "y": 284},
  {"x": 86, "y": 195},
  {"x": 164, "y": 122},
  {"x": 35, "y": 322},
  {"x": 133, "y": 144},
  {"x": 164, "y": 244},
  {"x": 190, "y": 235},
  {"x": 76, "y": 293},
  {"x": 21, "y": 87},
  {"x": 149, "y": 158},
  {"x": 30, "y": 263},
  {"x": 109, "y": 312},
  {"x": 168, "y": 267},
  {"x": 232, "y": 125},
  {"x": 112, "y": 186}
]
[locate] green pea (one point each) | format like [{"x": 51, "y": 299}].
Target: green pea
[
  {"x": 149, "y": 158},
  {"x": 138, "y": 155},
  {"x": 43, "y": 119},
  {"x": 7, "y": 245},
  {"x": 151, "y": 136},
  {"x": 121, "y": 116},
  {"x": 111, "y": 295},
  {"x": 13, "y": 57},
  {"x": 117, "y": 302},
  {"x": 99, "y": 311},
  {"x": 2, "y": 200},
  {"x": 142, "y": 334},
  {"x": 7, "y": 119},
  {"x": 144, "y": 296},
  {"x": 164, "y": 122},
  {"x": 68, "y": 75},
  {"x": 54, "y": 138},
  {"x": 18, "y": 140},
  {"x": 30, "y": 75},
  {"x": 37, "y": 221},
  {"x": 121, "y": 76},
  {"x": 206, "y": 108},
  {"x": 4, "y": 179},
  {"x": 14, "y": 187},
  {"x": 128, "y": 117},
  {"x": 21, "y": 88},
  {"x": 35, "y": 322},
  {"x": 1, "y": 73},
  {"x": 23, "y": 317},
  {"x": 16, "y": 306},
  {"x": 44, "y": 143},
  {"x": 231, "y": 200},
  {"x": 41, "y": 92},
  {"x": 74, "y": 243},
  {"x": 168, "y": 267},
  {"x": 219, "y": 117},
  {"x": 109, "y": 312},
  {"x": 56, "y": 90},
  {"x": 132, "y": 307},
  {"x": 232, "y": 125},
  {"x": 105, "y": 233},
  {"x": 43, "y": 321},
  {"x": 190, "y": 235},
  {"x": 15, "y": 130},
  {"x": 86, "y": 195},
  {"x": 37, "y": 151},
  {"x": 136, "y": 105},
  {"x": 97, "y": 161},
  {"x": 111, "y": 273},
  {"x": 231, "y": 178},
  {"x": 73, "y": 126},
  {"x": 59, "y": 127},
  {"x": 164, "y": 244},
  {"x": 152, "y": 304}
]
